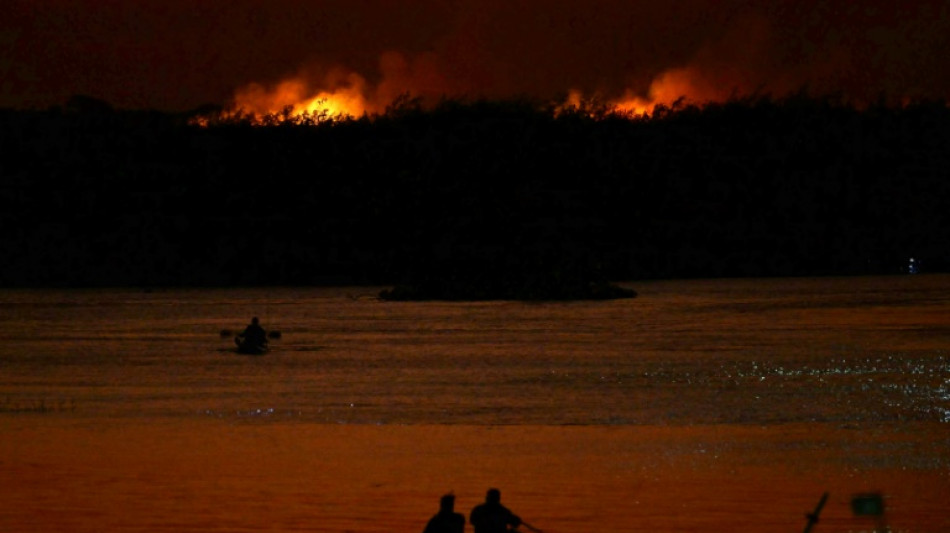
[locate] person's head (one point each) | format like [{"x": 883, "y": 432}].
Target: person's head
[
  {"x": 255, "y": 321},
  {"x": 447, "y": 503},
  {"x": 493, "y": 496}
]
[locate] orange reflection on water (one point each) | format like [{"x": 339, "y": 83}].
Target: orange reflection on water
[{"x": 212, "y": 475}]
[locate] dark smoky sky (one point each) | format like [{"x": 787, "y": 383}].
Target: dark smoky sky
[{"x": 179, "y": 54}]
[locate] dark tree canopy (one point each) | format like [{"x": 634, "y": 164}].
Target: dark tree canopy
[{"x": 506, "y": 197}]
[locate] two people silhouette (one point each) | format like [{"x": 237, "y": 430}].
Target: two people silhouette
[{"x": 488, "y": 517}]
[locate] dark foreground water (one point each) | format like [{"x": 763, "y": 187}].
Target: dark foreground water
[{"x": 715, "y": 405}]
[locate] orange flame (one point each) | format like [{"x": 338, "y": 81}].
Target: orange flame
[
  {"x": 341, "y": 94},
  {"x": 296, "y": 98},
  {"x": 669, "y": 87}
]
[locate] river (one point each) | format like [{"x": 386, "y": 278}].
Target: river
[{"x": 701, "y": 405}]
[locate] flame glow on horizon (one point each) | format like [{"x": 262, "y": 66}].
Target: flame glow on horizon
[
  {"x": 667, "y": 89},
  {"x": 339, "y": 93},
  {"x": 342, "y": 94},
  {"x": 295, "y": 96}
]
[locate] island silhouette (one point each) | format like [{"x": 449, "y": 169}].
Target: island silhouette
[{"x": 474, "y": 199}]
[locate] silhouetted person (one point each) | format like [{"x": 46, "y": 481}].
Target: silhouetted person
[
  {"x": 253, "y": 337},
  {"x": 492, "y": 516},
  {"x": 446, "y": 520}
]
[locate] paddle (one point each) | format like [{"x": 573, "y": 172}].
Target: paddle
[
  {"x": 813, "y": 516},
  {"x": 532, "y": 528},
  {"x": 273, "y": 334}
]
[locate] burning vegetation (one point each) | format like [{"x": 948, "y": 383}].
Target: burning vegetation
[{"x": 308, "y": 98}]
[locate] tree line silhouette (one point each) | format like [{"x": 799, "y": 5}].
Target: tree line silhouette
[{"x": 473, "y": 198}]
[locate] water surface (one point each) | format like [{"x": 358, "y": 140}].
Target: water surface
[{"x": 704, "y": 405}]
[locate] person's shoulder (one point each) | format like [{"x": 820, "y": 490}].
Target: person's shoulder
[{"x": 476, "y": 511}]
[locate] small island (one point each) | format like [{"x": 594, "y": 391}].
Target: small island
[
  {"x": 467, "y": 292},
  {"x": 507, "y": 277}
]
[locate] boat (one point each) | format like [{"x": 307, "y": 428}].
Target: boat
[{"x": 246, "y": 347}]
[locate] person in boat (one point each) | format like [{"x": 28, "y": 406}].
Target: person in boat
[
  {"x": 253, "y": 336},
  {"x": 446, "y": 520},
  {"x": 492, "y": 516}
]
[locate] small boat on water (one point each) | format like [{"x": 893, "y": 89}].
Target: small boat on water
[
  {"x": 247, "y": 347},
  {"x": 253, "y": 340}
]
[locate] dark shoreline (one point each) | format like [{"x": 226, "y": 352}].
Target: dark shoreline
[
  {"x": 589, "y": 291},
  {"x": 474, "y": 192}
]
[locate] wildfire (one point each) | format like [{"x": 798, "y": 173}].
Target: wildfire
[
  {"x": 296, "y": 98},
  {"x": 317, "y": 95},
  {"x": 666, "y": 89},
  {"x": 341, "y": 94}
]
